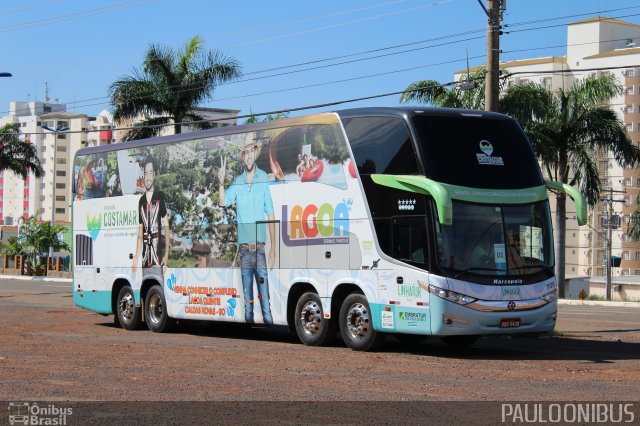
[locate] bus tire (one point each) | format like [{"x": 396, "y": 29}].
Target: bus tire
[
  {"x": 128, "y": 315},
  {"x": 155, "y": 311},
  {"x": 312, "y": 328},
  {"x": 460, "y": 342},
  {"x": 356, "y": 325}
]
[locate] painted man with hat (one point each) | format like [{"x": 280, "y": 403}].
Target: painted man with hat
[{"x": 250, "y": 193}]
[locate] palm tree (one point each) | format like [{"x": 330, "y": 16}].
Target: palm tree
[
  {"x": 467, "y": 93},
  {"x": 254, "y": 119},
  {"x": 36, "y": 238},
  {"x": 567, "y": 129},
  {"x": 633, "y": 231},
  {"x": 169, "y": 86},
  {"x": 17, "y": 156}
]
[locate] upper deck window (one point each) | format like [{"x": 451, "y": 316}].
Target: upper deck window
[{"x": 381, "y": 145}]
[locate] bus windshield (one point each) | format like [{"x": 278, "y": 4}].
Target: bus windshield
[{"x": 490, "y": 240}]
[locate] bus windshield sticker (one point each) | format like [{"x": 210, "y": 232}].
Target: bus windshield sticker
[
  {"x": 487, "y": 157},
  {"x": 387, "y": 319},
  {"x": 500, "y": 257}
]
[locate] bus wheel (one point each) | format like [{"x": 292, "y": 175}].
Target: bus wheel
[
  {"x": 356, "y": 326},
  {"x": 311, "y": 326},
  {"x": 459, "y": 342},
  {"x": 155, "y": 311},
  {"x": 128, "y": 315}
]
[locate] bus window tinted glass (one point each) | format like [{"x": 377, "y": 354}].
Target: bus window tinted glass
[
  {"x": 381, "y": 145},
  {"x": 410, "y": 240},
  {"x": 477, "y": 152}
]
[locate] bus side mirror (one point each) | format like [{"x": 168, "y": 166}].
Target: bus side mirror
[
  {"x": 575, "y": 195},
  {"x": 421, "y": 185}
]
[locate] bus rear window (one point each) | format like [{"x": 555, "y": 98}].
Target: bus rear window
[{"x": 477, "y": 152}]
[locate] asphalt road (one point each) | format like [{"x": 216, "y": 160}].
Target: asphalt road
[{"x": 53, "y": 351}]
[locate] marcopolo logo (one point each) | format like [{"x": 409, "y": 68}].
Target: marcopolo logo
[
  {"x": 487, "y": 157},
  {"x": 25, "y": 413}
]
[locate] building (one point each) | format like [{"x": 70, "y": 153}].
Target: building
[
  {"x": 56, "y": 149},
  {"x": 597, "y": 46},
  {"x": 219, "y": 118}
]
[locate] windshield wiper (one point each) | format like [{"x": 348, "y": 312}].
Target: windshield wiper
[
  {"x": 529, "y": 266},
  {"x": 482, "y": 269},
  {"x": 477, "y": 269}
]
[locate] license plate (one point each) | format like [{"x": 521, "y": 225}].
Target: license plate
[{"x": 509, "y": 322}]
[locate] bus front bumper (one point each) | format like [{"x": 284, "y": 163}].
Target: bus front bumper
[{"x": 449, "y": 318}]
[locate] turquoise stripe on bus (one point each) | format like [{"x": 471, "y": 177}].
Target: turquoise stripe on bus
[{"x": 98, "y": 301}]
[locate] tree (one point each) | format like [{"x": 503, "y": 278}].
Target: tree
[
  {"x": 467, "y": 93},
  {"x": 633, "y": 231},
  {"x": 35, "y": 238},
  {"x": 18, "y": 156},
  {"x": 270, "y": 117},
  {"x": 567, "y": 129},
  {"x": 12, "y": 247},
  {"x": 169, "y": 86}
]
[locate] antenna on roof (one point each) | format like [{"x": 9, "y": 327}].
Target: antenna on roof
[{"x": 467, "y": 84}]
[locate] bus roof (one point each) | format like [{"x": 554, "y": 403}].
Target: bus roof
[{"x": 331, "y": 117}]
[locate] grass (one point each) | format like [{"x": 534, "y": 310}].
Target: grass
[{"x": 596, "y": 297}]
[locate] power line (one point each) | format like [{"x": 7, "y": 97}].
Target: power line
[
  {"x": 307, "y": 69},
  {"x": 328, "y": 27},
  {"x": 350, "y": 79},
  {"x": 35, "y": 6},
  {"x": 323, "y": 105},
  {"x": 213, "y": 120},
  {"x": 364, "y": 76},
  {"x": 70, "y": 16},
  {"x": 312, "y": 18},
  {"x": 557, "y": 18},
  {"x": 562, "y": 25},
  {"x": 378, "y": 56}
]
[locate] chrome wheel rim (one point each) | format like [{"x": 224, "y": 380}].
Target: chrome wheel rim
[
  {"x": 155, "y": 308},
  {"x": 127, "y": 307},
  {"x": 311, "y": 318},
  {"x": 357, "y": 321}
]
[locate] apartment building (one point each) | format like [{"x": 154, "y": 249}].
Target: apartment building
[
  {"x": 51, "y": 194},
  {"x": 597, "y": 46}
]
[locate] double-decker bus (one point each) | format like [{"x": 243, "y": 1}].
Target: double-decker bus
[{"x": 364, "y": 221}]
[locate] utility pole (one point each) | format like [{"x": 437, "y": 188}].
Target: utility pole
[
  {"x": 609, "y": 202},
  {"x": 492, "y": 86}
]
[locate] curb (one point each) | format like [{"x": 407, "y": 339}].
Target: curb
[
  {"x": 598, "y": 303},
  {"x": 28, "y": 278}
]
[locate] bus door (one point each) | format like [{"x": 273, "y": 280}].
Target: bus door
[{"x": 410, "y": 245}]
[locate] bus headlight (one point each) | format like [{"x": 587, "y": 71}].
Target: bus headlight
[
  {"x": 550, "y": 297},
  {"x": 452, "y": 296}
]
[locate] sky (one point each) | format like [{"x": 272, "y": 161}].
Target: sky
[{"x": 293, "y": 54}]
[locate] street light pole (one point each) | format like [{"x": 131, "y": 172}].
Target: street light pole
[{"x": 58, "y": 129}]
